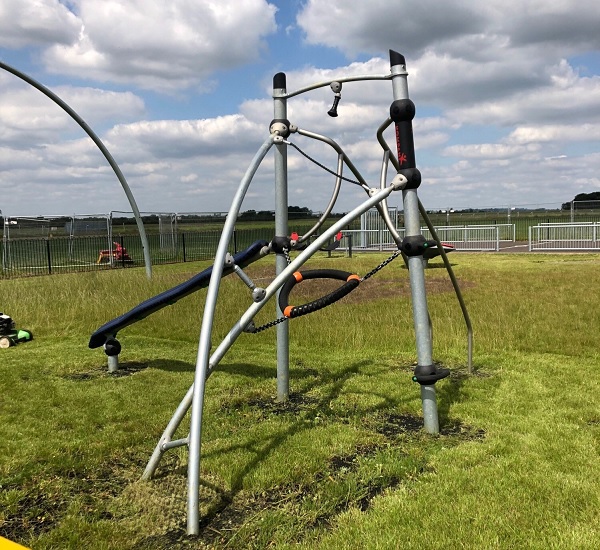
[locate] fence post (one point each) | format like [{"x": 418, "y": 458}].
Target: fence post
[
  {"x": 349, "y": 237},
  {"x": 49, "y": 256},
  {"x": 183, "y": 246},
  {"x": 235, "y": 248}
]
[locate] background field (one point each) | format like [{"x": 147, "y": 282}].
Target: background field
[{"x": 344, "y": 464}]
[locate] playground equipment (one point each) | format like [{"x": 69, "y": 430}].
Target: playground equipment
[
  {"x": 413, "y": 247},
  {"x": 11, "y": 336}
]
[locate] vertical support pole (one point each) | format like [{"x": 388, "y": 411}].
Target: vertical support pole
[
  {"x": 402, "y": 112},
  {"x": 48, "y": 256},
  {"x": 281, "y": 230},
  {"x": 113, "y": 363}
]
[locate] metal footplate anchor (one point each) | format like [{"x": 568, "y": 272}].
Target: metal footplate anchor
[{"x": 428, "y": 375}]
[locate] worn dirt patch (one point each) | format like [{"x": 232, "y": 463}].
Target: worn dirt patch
[
  {"x": 125, "y": 369},
  {"x": 374, "y": 288}
]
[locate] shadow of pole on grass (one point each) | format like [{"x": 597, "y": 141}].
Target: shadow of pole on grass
[{"x": 262, "y": 448}]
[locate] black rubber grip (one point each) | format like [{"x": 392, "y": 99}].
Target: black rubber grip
[{"x": 351, "y": 282}]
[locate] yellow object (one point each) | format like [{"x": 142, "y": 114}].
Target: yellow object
[{"x": 6, "y": 544}]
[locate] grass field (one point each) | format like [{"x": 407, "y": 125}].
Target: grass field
[{"x": 344, "y": 463}]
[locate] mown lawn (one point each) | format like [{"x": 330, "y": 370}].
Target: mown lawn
[{"x": 344, "y": 463}]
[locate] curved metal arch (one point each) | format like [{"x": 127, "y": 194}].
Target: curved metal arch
[{"x": 113, "y": 164}]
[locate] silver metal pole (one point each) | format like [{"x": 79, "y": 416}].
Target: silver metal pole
[
  {"x": 413, "y": 229},
  {"x": 113, "y": 363},
  {"x": 281, "y": 230},
  {"x": 202, "y": 359}
]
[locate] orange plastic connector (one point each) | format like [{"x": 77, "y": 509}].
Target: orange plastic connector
[{"x": 288, "y": 311}]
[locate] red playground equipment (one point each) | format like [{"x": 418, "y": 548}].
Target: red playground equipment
[{"x": 117, "y": 254}]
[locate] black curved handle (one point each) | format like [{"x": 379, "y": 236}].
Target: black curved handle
[
  {"x": 336, "y": 101},
  {"x": 351, "y": 282}
]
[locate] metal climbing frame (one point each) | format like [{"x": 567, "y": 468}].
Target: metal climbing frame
[{"x": 407, "y": 179}]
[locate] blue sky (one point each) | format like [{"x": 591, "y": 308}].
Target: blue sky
[{"x": 507, "y": 95}]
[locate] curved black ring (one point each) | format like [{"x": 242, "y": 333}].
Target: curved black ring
[{"x": 352, "y": 281}]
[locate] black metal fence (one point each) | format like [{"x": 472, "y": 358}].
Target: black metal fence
[{"x": 46, "y": 256}]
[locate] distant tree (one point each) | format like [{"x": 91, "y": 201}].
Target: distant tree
[{"x": 593, "y": 198}]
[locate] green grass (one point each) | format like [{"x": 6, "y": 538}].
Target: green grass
[{"x": 344, "y": 463}]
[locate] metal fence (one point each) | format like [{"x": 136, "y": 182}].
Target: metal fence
[
  {"x": 474, "y": 238},
  {"x": 69, "y": 254},
  {"x": 564, "y": 236}
]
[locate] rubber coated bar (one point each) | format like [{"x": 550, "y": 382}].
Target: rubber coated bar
[{"x": 351, "y": 282}]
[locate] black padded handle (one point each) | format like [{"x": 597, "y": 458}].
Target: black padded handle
[{"x": 351, "y": 282}]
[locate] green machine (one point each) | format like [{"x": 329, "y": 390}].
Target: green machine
[{"x": 9, "y": 335}]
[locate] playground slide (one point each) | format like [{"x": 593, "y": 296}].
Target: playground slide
[{"x": 169, "y": 297}]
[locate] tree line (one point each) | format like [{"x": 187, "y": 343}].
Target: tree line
[{"x": 585, "y": 200}]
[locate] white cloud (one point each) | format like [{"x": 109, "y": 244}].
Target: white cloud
[
  {"x": 416, "y": 26},
  {"x": 162, "y": 45},
  {"x": 555, "y": 133},
  {"x": 496, "y": 90},
  {"x": 36, "y": 22},
  {"x": 488, "y": 151},
  {"x": 28, "y": 116}
]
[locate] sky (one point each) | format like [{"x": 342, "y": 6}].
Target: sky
[{"x": 507, "y": 96}]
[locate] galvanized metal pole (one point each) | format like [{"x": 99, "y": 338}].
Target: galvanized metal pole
[
  {"x": 402, "y": 111},
  {"x": 204, "y": 343},
  {"x": 281, "y": 230}
]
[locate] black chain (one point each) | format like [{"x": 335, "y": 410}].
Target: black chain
[
  {"x": 286, "y": 253},
  {"x": 268, "y": 325},
  {"x": 382, "y": 265}
]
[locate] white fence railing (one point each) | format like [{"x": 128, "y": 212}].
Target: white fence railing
[
  {"x": 475, "y": 238},
  {"x": 479, "y": 237},
  {"x": 564, "y": 236}
]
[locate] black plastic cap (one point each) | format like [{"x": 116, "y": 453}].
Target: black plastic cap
[
  {"x": 396, "y": 59},
  {"x": 413, "y": 245},
  {"x": 279, "y": 82},
  {"x": 428, "y": 375},
  {"x": 112, "y": 347},
  {"x": 278, "y": 244}
]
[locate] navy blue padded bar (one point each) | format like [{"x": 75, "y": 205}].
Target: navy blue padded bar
[{"x": 168, "y": 297}]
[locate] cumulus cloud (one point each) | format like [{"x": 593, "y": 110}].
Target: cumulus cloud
[
  {"x": 162, "y": 45},
  {"x": 37, "y": 22},
  {"x": 28, "y": 116},
  {"x": 504, "y": 114},
  {"x": 417, "y": 26}
]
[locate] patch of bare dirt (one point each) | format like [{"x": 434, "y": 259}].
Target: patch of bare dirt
[{"x": 374, "y": 288}]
